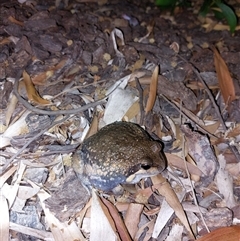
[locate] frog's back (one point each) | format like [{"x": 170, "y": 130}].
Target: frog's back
[{"x": 116, "y": 152}]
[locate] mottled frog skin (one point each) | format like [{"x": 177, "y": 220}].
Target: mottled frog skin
[{"x": 120, "y": 153}]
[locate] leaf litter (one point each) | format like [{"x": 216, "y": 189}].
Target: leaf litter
[{"x": 106, "y": 65}]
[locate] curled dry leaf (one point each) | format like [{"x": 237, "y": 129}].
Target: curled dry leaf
[
  {"x": 175, "y": 47},
  {"x": 153, "y": 90},
  {"x": 117, "y": 32},
  {"x": 33, "y": 95},
  {"x": 224, "y": 78},
  {"x": 150, "y": 27}
]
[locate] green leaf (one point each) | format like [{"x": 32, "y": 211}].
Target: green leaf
[
  {"x": 229, "y": 15},
  {"x": 218, "y": 12},
  {"x": 205, "y": 7},
  {"x": 165, "y": 2}
]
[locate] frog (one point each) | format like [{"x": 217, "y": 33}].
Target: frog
[{"x": 119, "y": 153}]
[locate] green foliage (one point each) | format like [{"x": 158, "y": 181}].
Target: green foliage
[
  {"x": 172, "y": 3},
  {"x": 166, "y": 3},
  {"x": 220, "y": 9}
]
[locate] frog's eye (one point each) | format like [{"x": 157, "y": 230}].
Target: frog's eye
[{"x": 145, "y": 166}]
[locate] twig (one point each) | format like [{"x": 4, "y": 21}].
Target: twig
[
  {"x": 208, "y": 92},
  {"x": 187, "y": 117},
  {"x": 140, "y": 90},
  {"x": 30, "y": 141},
  {"x": 191, "y": 185},
  {"x": 53, "y": 112},
  {"x": 233, "y": 148}
]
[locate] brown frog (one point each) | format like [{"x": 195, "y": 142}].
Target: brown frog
[{"x": 120, "y": 153}]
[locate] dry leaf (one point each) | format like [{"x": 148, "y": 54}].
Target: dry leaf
[
  {"x": 40, "y": 234},
  {"x": 10, "y": 109},
  {"x": 234, "y": 132},
  {"x": 223, "y": 234},
  {"x": 17, "y": 128},
  {"x": 33, "y": 95},
  {"x": 175, "y": 47},
  {"x": 212, "y": 127},
  {"x": 117, "y": 32},
  {"x": 166, "y": 190},
  {"x": 4, "y": 218},
  {"x": 224, "y": 78},
  {"x": 133, "y": 111},
  {"x": 93, "y": 129},
  {"x": 149, "y": 226},
  {"x": 121, "y": 228},
  {"x": 114, "y": 111},
  {"x": 41, "y": 78},
  {"x": 175, "y": 233},
  {"x": 233, "y": 169},
  {"x": 26, "y": 192},
  {"x": 153, "y": 90},
  {"x": 61, "y": 231},
  {"x": 200, "y": 149},
  {"x": 138, "y": 64},
  {"x": 225, "y": 183},
  {"x": 13, "y": 20},
  {"x": 5, "y": 41},
  {"x": 142, "y": 195},
  {"x": 218, "y": 27},
  {"x": 10, "y": 191},
  {"x": 6, "y": 175},
  {"x": 179, "y": 163},
  {"x": 149, "y": 30},
  {"x": 102, "y": 224},
  {"x": 132, "y": 218}
]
